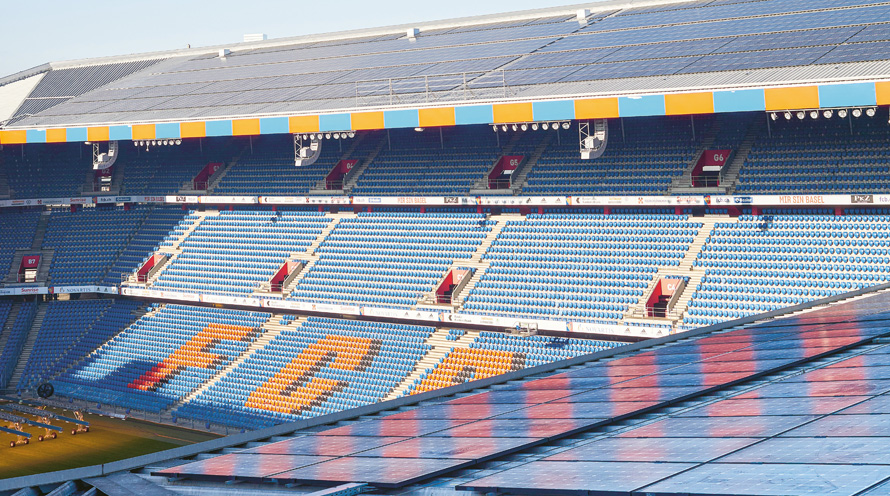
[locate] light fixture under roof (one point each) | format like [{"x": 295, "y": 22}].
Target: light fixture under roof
[
  {"x": 842, "y": 113},
  {"x": 566, "y": 125},
  {"x": 773, "y": 115},
  {"x": 814, "y": 114},
  {"x": 857, "y": 112},
  {"x": 545, "y": 126},
  {"x": 827, "y": 113},
  {"x": 801, "y": 114},
  {"x": 787, "y": 115},
  {"x": 870, "y": 111},
  {"x": 524, "y": 127},
  {"x": 534, "y": 126},
  {"x": 514, "y": 127}
]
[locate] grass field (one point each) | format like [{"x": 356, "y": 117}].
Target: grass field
[{"x": 109, "y": 440}]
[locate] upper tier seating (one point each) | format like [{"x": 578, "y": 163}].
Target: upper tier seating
[
  {"x": 819, "y": 156},
  {"x": 47, "y": 171},
  {"x": 70, "y": 330},
  {"x": 231, "y": 253},
  {"x": 642, "y": 158},
  {"x": 418, "y": 164},
  {"x": 88, "y": 242},
  {"x": 493, "y": 353},
  {"x": 162, "y": 357},
  {"x": 16, "y": 231},
  {"x": 269, "y": 168},
  {"x": 578, "y": 266},
  {"x": 318, "y": 367},
  {"x": 157, "y": 225},
  {"x": 162, "y": 170},
  {"x": 766, "y": 262},
  {"x": 388, "y": 258}
]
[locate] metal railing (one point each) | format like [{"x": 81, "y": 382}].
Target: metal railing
[{"x": 430, "y": 89}]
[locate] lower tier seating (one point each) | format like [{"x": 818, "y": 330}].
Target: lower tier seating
[
  {"x": 162, "y": 357},
  {"x": 493, "y": 353},
  {"x": 15, "y": 341},
  {"x": 318, "y": 367},
  {"x": 70, "y": 330}
]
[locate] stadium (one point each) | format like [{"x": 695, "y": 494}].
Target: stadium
[{"x": 620, "y": 248}]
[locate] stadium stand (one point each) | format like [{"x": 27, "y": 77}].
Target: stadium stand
[
  {"x": 163, "y": 170},
  {"x": 389, "y": 258},
  {"x": 16, "y": 231},
  {"x": 162, "y": 357},
  {"x": 245, "y": 247},
  {"x": 493, "y": 353},
  {"x": 319, "y": 366},
  {"x": 818, "y": 156},
  {"x": 269, "y": 169},
  {"x": 766, "y": 262},
  {"x": 49, "y": 171},
  {"x": 158, "y": 224},
  {"x": 585, "y": 266},
  {"x": 735, "y": 408},
  {"x": 15, "y": 340},
  {"x": 642, "y": 158},
  {"x": 69, "y": 332},
  {"x": 419, "y": 164},
  {"x": 89, "y": 241}
]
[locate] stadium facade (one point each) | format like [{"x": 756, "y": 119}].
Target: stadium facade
[{"x": 616, "y": 248}]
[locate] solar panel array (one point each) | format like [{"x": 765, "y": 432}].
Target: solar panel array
[
  {"x": 769, "y": 440},
  {"x": 512, "y": 57}
]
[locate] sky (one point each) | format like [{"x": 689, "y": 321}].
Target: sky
[{"x": 54, "y": 30}]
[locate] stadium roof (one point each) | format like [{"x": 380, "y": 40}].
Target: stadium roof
[{"x": 619, "y": 48}]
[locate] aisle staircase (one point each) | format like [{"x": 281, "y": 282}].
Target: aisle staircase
[
  {"x": 440, "y": 348},
  {"x": 28, "y": 347}
]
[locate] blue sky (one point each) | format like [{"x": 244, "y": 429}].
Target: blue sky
[{"x": 34, "y": 33}]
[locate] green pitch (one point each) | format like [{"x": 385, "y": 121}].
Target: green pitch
[{"x": 109, "y": 440}]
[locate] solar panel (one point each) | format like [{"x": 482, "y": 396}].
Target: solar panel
[
  {"x": 821, "y": 388},
  {"x": 461, "y": 448},
  {"x": 578, "y": 410},
  {"x": 324, "y": 445},
  {"x": 521, "y": 397},
  {"x": 842, "y": 450},
  {"x": 528, "y": 428},
  {"x": 388, "y": 428},
  {"x": 689, "y": 450},
  {"x": 844, "y": 426},
  {"x": 245, "y": 465},
  {"x": 576, "y": 477},
  {"x": 632, "y": 394},
  {"x": 382, "y": 472},
  {"x": 453, "y": 411},
  {"x": 733, "y": 407},
  {"x": 798, "y": 479},
  {"x": 719, "y": 426}
]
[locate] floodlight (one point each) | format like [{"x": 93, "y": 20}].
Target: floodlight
[
  {"x": 857, "y": 112},
  {"x": 842, "y": 113},
  {"x": 787, "y": 115},
  {"x": 827, "y": 113},
  {"x": 870, "y": 111},
  {"x": 545, "y": 126},
  {"x": 494, "y": 127},
  {"x": 774, "y": 116},
  {"x": 154, "y": 143},
  {"x": 418, "y": 129},
  {"x": 524, "y": 127},
  {"x": 814, "y": 114},
  {"x": 514, "y": 127},
  {"x": 534, "y": 126},
  {"x": 504, "y": 128},
  {"x": 179, "y": 142},
  {"x": 327, "y": 135},
  {"x": 566, "y": 125},
  {"x": 351, "y": 134},
  {"x": 801, "y": 114}
]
